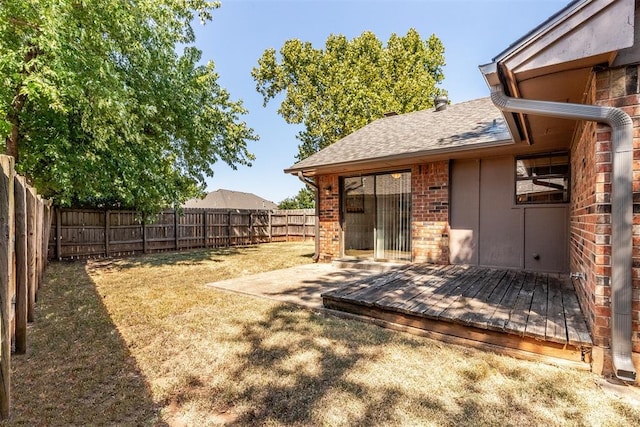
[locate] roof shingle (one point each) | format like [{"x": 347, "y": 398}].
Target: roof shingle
[
  {"x": 229, "y": 199},
  {"x": 464, "y": 125}
]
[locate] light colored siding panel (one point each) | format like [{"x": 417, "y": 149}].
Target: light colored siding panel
[
  {"x": 465, "y": 201},
  {"x": 501, "y": 234}
]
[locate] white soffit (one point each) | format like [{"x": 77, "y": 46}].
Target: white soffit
[{"x": 586, "y": 29}]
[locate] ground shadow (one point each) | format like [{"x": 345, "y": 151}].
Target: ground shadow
[
  {"x": 308, "y": 291},
  {"x": 294, "y": 401},
  {"x": 77, "y": 369},
  {"x": 300, "y": 394},
  {"x": 185, "y": 257}
]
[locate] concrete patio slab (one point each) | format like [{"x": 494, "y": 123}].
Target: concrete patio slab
[{"x": 300, "y": 285}]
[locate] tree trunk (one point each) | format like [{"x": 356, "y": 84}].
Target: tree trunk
[{"x": 12, "y": 140}]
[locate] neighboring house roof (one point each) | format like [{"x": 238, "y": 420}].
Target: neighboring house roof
[
  {"x": 467, "y": 125},
  {"x": 228, "y": 199}
]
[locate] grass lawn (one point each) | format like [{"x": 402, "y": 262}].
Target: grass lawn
[{"x": 141, "y": 341}]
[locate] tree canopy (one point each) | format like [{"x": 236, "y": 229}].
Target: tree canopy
[
  {"x": 336, "y": 90},
  {"x": 106, "y": 103},
  {"x": 305, "y": 199}
]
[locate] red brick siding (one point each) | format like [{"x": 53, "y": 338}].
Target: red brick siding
[
  {"x": 589, "y": 233},
  {"x": 329, "y": 217},
  {"x": 430, "y": 212},
  {"x": 590, "y": 243}
]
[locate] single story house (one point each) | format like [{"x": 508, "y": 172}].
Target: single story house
[
  {"x": 229, "y": 199},
  {"x": 543, "y": 175}
]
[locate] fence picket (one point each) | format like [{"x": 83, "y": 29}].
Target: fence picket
[
  {"x": 31, "y": 253},
  {"x": 194, "y": 228},
  {"x": 24, "y": 236},
  {"x": 22, "y": 267},
  {"x": 6, "y": 279}
]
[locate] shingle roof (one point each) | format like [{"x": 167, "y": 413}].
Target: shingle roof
[
  {"x": 228, "y": 199},
  {"x": 465, "y": 125}
]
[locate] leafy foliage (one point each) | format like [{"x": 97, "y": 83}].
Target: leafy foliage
[
  {"x": 104, "y": 110},
  {"x": 305, "y": 199},
  {"x": 338, "y": 89}
]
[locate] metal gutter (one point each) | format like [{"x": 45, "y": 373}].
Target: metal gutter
[
  {"x": 306, "y": 180},
  {"x": 621, "y": 209}
]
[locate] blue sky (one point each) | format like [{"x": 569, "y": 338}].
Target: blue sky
[{"x": 472, "y": 31}]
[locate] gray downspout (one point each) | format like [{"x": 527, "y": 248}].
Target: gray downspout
[
  {"x": 621, "y": 209},
  {"x": 316, "y": 237}
]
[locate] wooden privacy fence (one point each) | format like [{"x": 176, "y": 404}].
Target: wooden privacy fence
[
  {"x": 24, "y": 220},
  {"x": 86, "y": 233}
]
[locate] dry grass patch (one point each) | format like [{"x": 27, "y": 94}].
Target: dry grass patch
[{"x": 141, "y": 341}]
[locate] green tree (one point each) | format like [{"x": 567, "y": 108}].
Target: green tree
[
  {"x": 337, "y": 90},
  {"x": 305, "y": 199},
  {"x": 105, "y": 102}
]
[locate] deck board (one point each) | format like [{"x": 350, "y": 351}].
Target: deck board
[
  {"x": 573, "y": 314},
  {"x": 470, "y": 300},
  {"x": 502, "y": 313},
  {"x": 486, "y": 306},
  {"x": 367, "y": 283},
  {"x": 450, "y": 293},
  {"x": 426, "y": 285},
  {"x": 520, "y": 313},
  {"x": 556, "y": 327},
  {"x": 537, "y": 319},
  {"x": 433, "y": 287},
  {"x": 415, "y": 285},
  {"x": 537, "y": 306},
  {"x": 380, "y": 284}
]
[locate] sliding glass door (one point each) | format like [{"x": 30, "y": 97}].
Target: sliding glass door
[
  {"x": 377, "y": 216},
  {"x": 393, "y": 216}
]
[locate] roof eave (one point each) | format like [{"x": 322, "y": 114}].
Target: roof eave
[
  {"x": 536, "y": 33},
  {"x": 562, "y": 39},
  {"x": 563, "y": 42},
  {"x": 396, "y": 158}
]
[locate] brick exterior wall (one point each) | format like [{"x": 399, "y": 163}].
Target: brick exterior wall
[
  {"x": 590, "y": 244},
  {"x": 590, "y": 228},
  {"x": 429, "y": 206},
  {"x": 430, "y": 212},
  {"x": 329, "y": 217}
]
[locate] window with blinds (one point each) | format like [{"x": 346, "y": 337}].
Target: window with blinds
[{"x": 542, "y": 179}]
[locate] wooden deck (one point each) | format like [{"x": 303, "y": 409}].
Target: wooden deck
[{"x": 534, "y": 312}]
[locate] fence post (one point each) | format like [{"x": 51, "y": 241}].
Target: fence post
[
  {"x": 58, "y": 229},
  {"x": 229, "y": 228},
  {"x": 47, "y": 230},
  {"x": 204, "y": 228},
  {"x": 144, "y": 235},
  {"x": 6, "y": 277},
  {"x": 22, "y": 306},
  {"x": 44, "y": 249},
  {"x": 107, "y": 231},
  {"x": 31, "y": 249},
  {"x": 39, "y": 215},
  {"x": 304, "y": 226},
  {"x": 286, "y": 223},
  {"x": 176, "y": 223}
]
